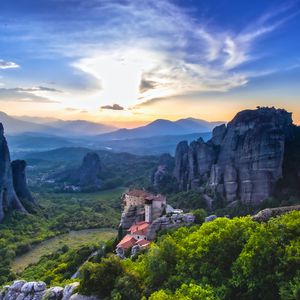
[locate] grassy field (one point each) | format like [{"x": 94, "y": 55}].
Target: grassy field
[
  {"x": 24, "y": 238},
  {"x": 73, "y": 239}
]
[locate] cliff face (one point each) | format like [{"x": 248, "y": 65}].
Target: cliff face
[
  {"x": 8, "y": 198},
  {"x": 20, "y": 182},
  {"x": 243, "y": 160}
]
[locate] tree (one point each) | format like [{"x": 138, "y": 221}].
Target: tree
[{"x": 99, "y": 279}]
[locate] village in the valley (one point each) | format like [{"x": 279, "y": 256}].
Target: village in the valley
[{"x": 143, "y": 215}]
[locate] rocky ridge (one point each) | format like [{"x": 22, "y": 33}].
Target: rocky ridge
[{"x": 242, "y": 161}]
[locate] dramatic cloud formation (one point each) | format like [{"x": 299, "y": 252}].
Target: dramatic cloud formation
[
  {"x": 146, "y": 53},
  {"x": 179, "y": 55},
  {"x": 113, "y": 107},
  {"x": 8, "y": 64}
]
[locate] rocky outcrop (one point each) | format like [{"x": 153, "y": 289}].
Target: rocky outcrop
[
  {"x": 268, "y": 213},
  {"x": 22, "y": 290},
  {"x": 182, "y": 165},
  {"x": 20, "y": 181},
  {"x": 165, "y": 167},
  {"x": 169, "y": 222},
  {"x": 8, "y": 198},
  {"x": 243, "y": 160},
  {"x": 133, "y": 214},
  {"x": 90, "y": 170},
  {"x": 85, "y": 178}
]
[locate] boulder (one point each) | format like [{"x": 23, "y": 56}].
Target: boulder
[
  {"x": 69, "y": 290},
  {"x": 22, "y": 290},
  {"x": 210, "y": 218}
]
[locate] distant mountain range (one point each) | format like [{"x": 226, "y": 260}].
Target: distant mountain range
[
  {"x": 162, "y": 127},
  {"x": 39, "y": 134},
  {"x": 18, "y": 125}
]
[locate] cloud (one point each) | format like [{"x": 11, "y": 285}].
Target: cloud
[
  {"x": 146, "y": 85},
  {"x": 139, "y": 51},
  {"x": 8, "y": 64},
  {"x": 203, "y": 58},
  {"x": 36, "y": 89},
  {"x": 19, "y": 95},
  {"x": 113, "y": 107}
]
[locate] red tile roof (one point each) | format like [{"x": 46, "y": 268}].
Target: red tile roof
[
  {"x": 142, "y": 243},
  {"x": 127, "y": 242},
  {"x": 139, "y": 228}
]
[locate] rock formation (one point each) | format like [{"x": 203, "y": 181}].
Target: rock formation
[
  {"x": 8, "y": 198},
  {"x": 164, "y": 169},
  {"x": 86, "y": 177},
  {"x": 242, "y": 161},
  {"x": 90, "y": 170},
  {"x": 23, "y": 290},
  {"x": 169, "y": 222},
  {"x": 268, "y": 213},
  {"x": 20, "y": 182}
]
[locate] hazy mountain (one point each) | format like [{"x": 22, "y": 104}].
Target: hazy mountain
[
  {"x": 38, "y": 120},
  {"x": 154, "y": 145},
  {"x": 81, "y": 127},
  {"x": 197, "y": 125},
  {"x": 17, "y": 125},
  {"x": 13, "y": 125},
  {"x": 162, "y": 127}
]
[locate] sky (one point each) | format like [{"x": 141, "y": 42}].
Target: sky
[{"x": 128, "y": 62}]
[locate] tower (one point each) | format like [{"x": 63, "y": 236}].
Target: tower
[{"x": 148, "y": 211}]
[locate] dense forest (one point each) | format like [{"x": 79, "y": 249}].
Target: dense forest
[{"x": 224, "y": 259}]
